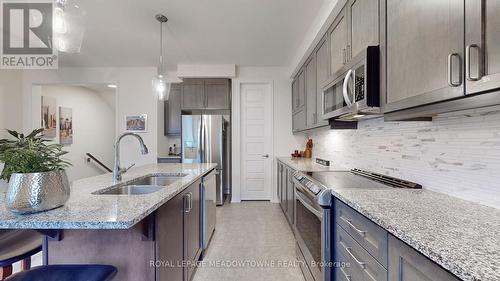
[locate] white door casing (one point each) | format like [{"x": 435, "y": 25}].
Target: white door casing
[{"x": 256, "y": 141}]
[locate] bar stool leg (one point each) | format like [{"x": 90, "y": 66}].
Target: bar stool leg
[
  {"x": 5, "y": 272},
  {"x": 26, "y": 264}
]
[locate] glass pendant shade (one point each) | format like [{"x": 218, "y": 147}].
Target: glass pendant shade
[
  {"x": 69, "y": 26},
  {"x": 161, "y": 87}
]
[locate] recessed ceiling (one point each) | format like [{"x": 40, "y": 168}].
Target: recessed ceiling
[{"x": 244, "y": 32}]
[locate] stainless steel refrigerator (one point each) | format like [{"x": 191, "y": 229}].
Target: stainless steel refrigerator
[{"x": 205, "y": 140}]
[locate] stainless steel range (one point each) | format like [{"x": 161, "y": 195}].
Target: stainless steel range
[
  {"x": 313, "y": 203},
  {"x": 313, "y": 214}
]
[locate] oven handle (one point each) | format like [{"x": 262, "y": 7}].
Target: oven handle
[{"x": 308, "y": 207}]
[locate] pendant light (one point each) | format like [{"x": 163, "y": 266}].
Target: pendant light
[{"x": 160, "y": 85}]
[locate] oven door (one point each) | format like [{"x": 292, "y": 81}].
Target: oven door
[{"x": 309, "y": 233}]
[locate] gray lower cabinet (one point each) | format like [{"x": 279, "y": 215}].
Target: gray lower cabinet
[
  {"x": 178, "y": 235},
  {"x": 172, "y": 111},
  {"x": 482, "y": 37},
  {"x": 373, "y": 254},
  {"x": 425, "y": 52},
  {"x": 406, "y": 264},
  {"x": 205, "y": 94},
  {"x": 286, "y": 191},
  {"x": 192, "y": 228}
]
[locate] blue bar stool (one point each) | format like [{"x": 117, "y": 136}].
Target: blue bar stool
[
  {"x": 15, "y": 246},
  {"x": 20, "y": 245},
  {"x": 88, "y": 272}
]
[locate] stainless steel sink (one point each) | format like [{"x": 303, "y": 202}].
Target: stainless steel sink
[
  {"x": 132, "y": 190},
  {"x": 141, "y": 186}
]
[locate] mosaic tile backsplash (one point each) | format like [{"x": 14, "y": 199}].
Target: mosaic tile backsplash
[{"x": 457, "y": 154}]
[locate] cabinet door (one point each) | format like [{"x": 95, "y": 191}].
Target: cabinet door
[
  {"x": 406, "y": 264},
  {"x": 192, "y": 223},
  {"x": 295, "y": 93},
  {"x": 299, "y": 121},
  {"x": 217, "y": 94},
  {"x": 482, "y": 45},
  {"x": 311, "y": 114},
  {"x": 363, "y": 25},
  {"x": 301, "y": 93},
  {"x": 169, "y": 240},
  {"x": 173, "y": 118},
  {"x": 424, "y": 52},
  {"x": 322, "y": 74},
  {"x": 193, "y": 94},
  {"x": 284, "y": 180},
  {"x": 290, "y": 200},
  {"x": 338, "y": 44}
]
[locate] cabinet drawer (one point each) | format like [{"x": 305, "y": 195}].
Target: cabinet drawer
[
  {"x": 370, "y": 236},
  {"x": 362, "y": 265}
]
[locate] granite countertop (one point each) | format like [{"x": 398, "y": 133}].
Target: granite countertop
[
  {"x": 87, "y": 211},
  {"x": 461, "y": 236},
  {"x": 310, "y": 165}
]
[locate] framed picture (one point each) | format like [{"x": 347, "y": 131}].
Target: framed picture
[
  {"x": 65, "y": 125},
  {"x": 137, "y": 123},
  {"x": 48, "y": 117}
]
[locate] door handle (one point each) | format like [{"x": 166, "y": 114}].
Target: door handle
[
  {"x": 265, "y": 156},
  {"x": 450, "y": 70},
  {"x": 467, "y": 63}
]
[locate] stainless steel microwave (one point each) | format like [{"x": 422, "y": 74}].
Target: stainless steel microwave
[{"x": 355, "y": 94}]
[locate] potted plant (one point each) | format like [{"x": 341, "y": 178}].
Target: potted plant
[{"x": 35, "y": 171}]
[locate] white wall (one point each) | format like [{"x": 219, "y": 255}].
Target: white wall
[
  {"x": 93, "y": 125},
  {"x": 457, "y": 154},
  {"x": 284, "y": 142},
  {"x": 10, "y": 106},
  {"x": 134, "y": 96}
]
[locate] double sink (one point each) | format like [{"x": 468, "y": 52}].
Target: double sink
[{"x": 140, "y": 186}]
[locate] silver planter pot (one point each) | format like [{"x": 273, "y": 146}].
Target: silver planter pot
[{"x": 37, "y": 192}]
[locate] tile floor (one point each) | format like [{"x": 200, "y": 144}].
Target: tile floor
[{"x": 247, "y": 236}]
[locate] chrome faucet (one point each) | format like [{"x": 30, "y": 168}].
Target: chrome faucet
[{"x": 117, "y": 170}]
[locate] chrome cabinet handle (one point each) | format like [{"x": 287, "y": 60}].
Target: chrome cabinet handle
[
  {"x": 361, "y": 232},
  {"x": 188, "y": 202},
  {"x": 344, "y": 59},
  {"x": 467, "y": 63},
  {"x": 347, "y": 277},
  {"x": 348, "y": 53},
  {"x": 348, "y": 250},
  {"x": 265, "y": 156},
  {"x": 450, "y": 71}
]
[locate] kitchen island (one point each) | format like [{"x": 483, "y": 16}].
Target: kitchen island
[{"x": 135, "y": 233}]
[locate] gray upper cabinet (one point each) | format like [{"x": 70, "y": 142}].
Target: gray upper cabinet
[
  {"x": 205, "y": 94},
  {"x": 405, "y": 264},
  {"x": 311, "y": 114},
  {"x": 424, "y": 52},
  {"x": 363, "y": 25},
  {"x": 482, "y": 39},
  {"x": 298, "y": 92},
  {"x": 322, "y": 71},
  {"x": 217, "y": 94},
  {"x": 295, "y": 93},
  {"x": 338, "y": 44},
  {"x": 299, "y": 121},
  {"x": 172, "y": 106},
  {"x": 193, "y": 94}
]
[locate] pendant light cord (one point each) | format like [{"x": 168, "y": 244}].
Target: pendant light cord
[{"x": 160, "y": 66}]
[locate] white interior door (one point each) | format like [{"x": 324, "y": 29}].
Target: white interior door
[{"x": 256, "y": 141}]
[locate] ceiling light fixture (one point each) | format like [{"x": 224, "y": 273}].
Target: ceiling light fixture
[
  {"x": 113, "y": 86},
  {"x": 160, "y": 85}
]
